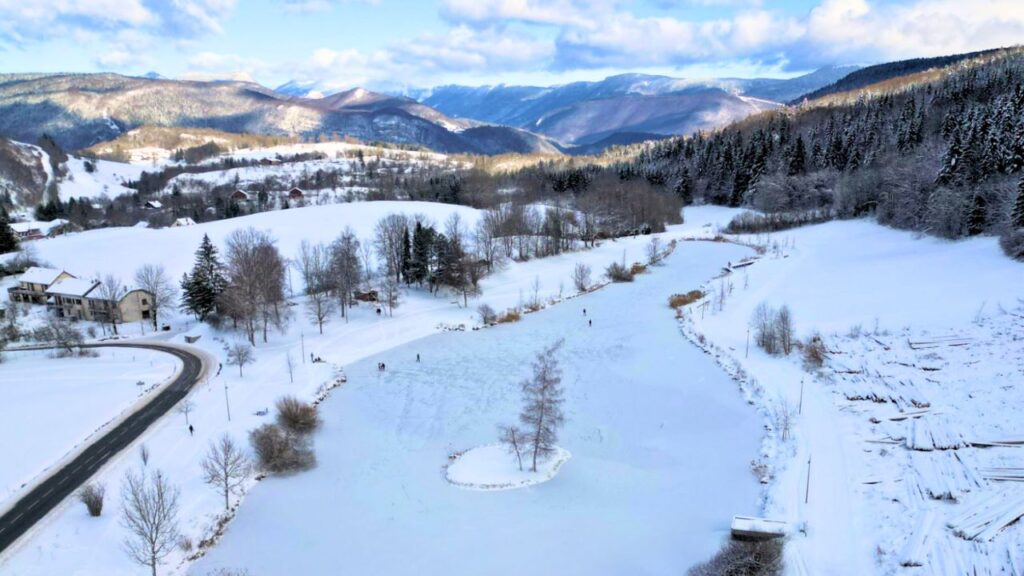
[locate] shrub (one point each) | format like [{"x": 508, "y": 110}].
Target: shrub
[
  {"x": 637, "y": 268},
  {"x": 773, "y": 329},
  {"x": 754, "y": 223},
  {"x": 680, "y": 300},
  {"x": 297, "y": 416},
  {"x": 487, "y": 314},
  {"x": 618, "y": 272},
  {"x": 92, "y": 496},
  {"x": 814, "y": 351},
  {"x": 510, "y": 315},
  {"x": 740, "y": 558},
  {"x": 278, "y": 450},
  {"x": 581, "y": 277},
  {"x": 1012, "y": 243}
]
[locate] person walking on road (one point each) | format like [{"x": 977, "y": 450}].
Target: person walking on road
[{"x": 191, "y": 430}]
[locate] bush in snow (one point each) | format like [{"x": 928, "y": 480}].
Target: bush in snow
[
  {"x": 740, "y": 558},
  {"x": 487, "y": 314},
  {"x": 297, "y": 416},
  {"x": 1012, "y": 243},
  {"x": 814, "y": 351},
  {"x": 773, "y": 329},
  {"x": 278, "y": 450},
  {"x": 617, "y": 272},
  {"x": 92, "y": 496}
]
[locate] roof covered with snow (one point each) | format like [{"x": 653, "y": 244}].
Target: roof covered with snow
[
  {"x": 73, "y": 287},
  {"x": 37, "y": 275}
]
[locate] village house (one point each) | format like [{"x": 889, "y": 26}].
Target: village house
[
  {"x": 36, "y": 230},
  {"x": 77, "y": 299},
  {"x": 70, "y": 298},
  {"x": 33, "y": 284},
  {"x": 296, "y": 195},
  {"x": 180, "y": 222},
  {"x": 153, "y": 204},
  {"x": 240, "y": 196}
]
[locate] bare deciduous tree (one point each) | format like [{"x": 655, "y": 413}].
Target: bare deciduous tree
[
  {"x": 345, "y": 268},
  {"x": 314, "y": 263},
  {"x": 240, "y": 354},
  {"x": 512, "y": 438},
  {"x": 581, "y": 277},
  {"x": 654, "y": 250},
  {"x": 388, "y": 242},
  {"x": 226, "y": 468},
  {"x": 150, "y": 514},
  {"x": 110, "y": 291},
  {"x": 256, "y": 276},
  {"x": 153, "y": 278},
  {"x": 542, "y": 410},
  {"x": 62, "y": 334}
]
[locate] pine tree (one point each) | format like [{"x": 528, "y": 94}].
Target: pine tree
[
  {"x": 684, "y": 187},
  {"x": 951, "y": 165},
  {"x": 8, "y": 239},
  {"x": 201, "y": 289},
  {"x": 797, "y": 157},
  {"x": 978, "y": 218},
  {"x": 1017, "y": 216}
]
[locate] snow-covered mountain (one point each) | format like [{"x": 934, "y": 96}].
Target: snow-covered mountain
[
  {"x": 79, "y": 110},
  {"x": 582, "y": 113}
]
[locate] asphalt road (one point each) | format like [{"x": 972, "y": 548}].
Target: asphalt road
[{"x": 63, "y": 483}]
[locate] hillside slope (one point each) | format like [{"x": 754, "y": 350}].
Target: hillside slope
[
  {"x": 581, "y": 113},
  {"x": 80, "y": 110}
]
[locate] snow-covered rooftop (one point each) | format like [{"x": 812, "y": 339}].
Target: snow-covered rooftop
[
  {"x": 37, "y": 275},
  {"x": 72, "y": 287}
]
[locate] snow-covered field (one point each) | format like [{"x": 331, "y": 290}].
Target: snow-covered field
[
  {"x": 68, "y": 536},
  {"x": 51, "y": 405},
  {"x": 660, "y": 438},
  {"x": 871, "y": 291}
]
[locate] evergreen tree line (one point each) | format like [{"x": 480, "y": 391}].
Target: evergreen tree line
[{"x": 943, "y": 157}]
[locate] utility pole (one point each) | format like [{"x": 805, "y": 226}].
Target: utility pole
[
  {"x": 227, "y": 401},
  {"x": 800, "y": 410},
  {"x": 746, "y": 354},
  {"x": 302, "y": 338},
  {"x": 807, "y": 491}
]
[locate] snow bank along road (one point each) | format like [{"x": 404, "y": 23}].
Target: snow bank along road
[{"x": 31, "y": 508}]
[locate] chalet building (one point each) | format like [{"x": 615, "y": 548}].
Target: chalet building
[
  {"x": 180, "y": 222},
  {"x": 296, "y": 195},
  {"x": 33, "y": 284},
  {"x": 240, "y": 196},
  {"x": 70, "y": 298},
  {"x": 77, "y": 299},
  {"x": 27, "y": 231},
  {"x": 153, "y": 204},
  {"x": 36, "y": 230}
]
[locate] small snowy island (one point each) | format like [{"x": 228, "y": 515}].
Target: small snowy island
[{"x": 492, "y": 467}]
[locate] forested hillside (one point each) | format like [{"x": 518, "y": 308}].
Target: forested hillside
[{"x": 943, "y": 156}]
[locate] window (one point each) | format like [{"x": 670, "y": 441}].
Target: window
[{"x": 145, "y": 302}]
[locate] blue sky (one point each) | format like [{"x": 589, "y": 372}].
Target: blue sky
[{"x": 395, "y": 43}]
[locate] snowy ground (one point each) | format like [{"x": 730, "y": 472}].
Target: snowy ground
[
  {"x": 82, "y": 395},
  {"x": 71, "y": 542},
  {"x": 871, "y": 291},
  {"x": 660, "y": 437}
]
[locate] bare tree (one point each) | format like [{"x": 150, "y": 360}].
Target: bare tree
[
  {"x": 389, "y": 293},
  {"x": 314, "y": 263},
  {"x": 256, "y": 276},
  {"x": 226, "y": 468},
  {"x": 388, "y": 236},
  {"x": 153, "y": 278},
  {"x": 186, "y": 408},
  {"x": 345, "y": 269},
  {"x": 512, "y": 438},
  {"x": 542, "y": 398},
  {"x": 784, "y": 323},
  {"x": 150, "y": 514},
  {"x": 110, "y": 291},
  {"x": 240, "y": 354},
  {"x": 654, "y": 250},
  {"x": 581, "y": 277},
  {"x": 290, "y": 363},
  {"x": 62, "y": 334}
]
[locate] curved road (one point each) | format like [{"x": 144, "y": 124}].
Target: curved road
[{"x": 35, "y": 505}]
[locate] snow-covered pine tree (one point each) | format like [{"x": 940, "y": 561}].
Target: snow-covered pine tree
[
  {"x": 207, "y": 281},
  {"x": 977, "y": 220},
  {"x": 1017, "y": 216}
]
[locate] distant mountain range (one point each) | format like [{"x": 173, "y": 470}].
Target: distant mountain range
[
  {"x": 80, "y": 110},
  {"x": 582, "y": 113}
]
